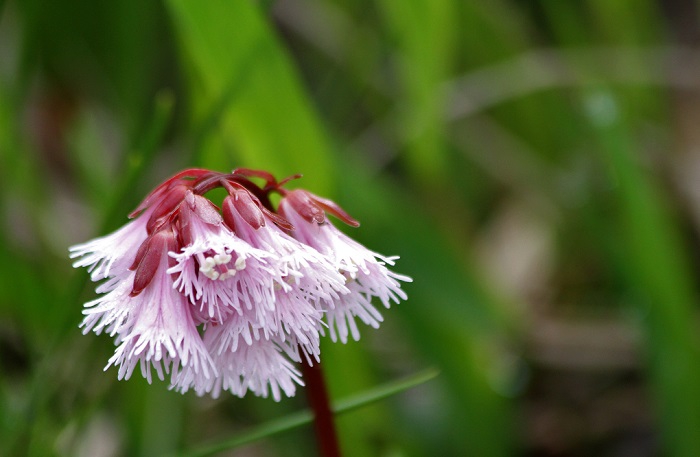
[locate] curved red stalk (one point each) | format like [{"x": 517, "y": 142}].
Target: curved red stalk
[
  {"x": 249, "y": 173},
  {"x": 324, "y": 422},
  {"x": 170, "y": 182}
]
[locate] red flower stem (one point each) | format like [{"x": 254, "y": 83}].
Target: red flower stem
[{"x": 324, "y": 423}]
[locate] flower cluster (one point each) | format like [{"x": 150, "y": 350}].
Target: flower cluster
[{"x": 228, "y": 297}]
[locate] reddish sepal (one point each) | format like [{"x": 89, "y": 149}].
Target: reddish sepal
[
  {"x": 156, "y": 193},
  {"x": 278, "y": 220},
  {"x": 157, "y": 245},
  {"x": 332, "y": 207},
  {"x": 247, "y": 207},
  {"x": 303, "y": 204},
  {"x": 227, "y": 211},
  {"x": 169, "y": 203},
  {"x": 203, "y": 208}
]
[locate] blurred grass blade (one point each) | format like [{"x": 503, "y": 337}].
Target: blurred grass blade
[
  {"x": 451, "y": 316},
  {"x": 659, "y": 270},
  {"x": 270, "y": 124},
  {"x": 141, "y": 155},
  {"x": 302, "y": 418},
  {"x": 64, "y": 318},
  {"x": 265, "y": 430},
  {"x": 384, "y": 391},
  {"x": 423, "y": 63},
  {"x": 217, "y": 111}
]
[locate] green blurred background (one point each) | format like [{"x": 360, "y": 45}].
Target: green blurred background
[{"x": 534, "y": 163}]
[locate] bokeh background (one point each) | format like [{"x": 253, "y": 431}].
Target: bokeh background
[{"x": 535, "y": 164}]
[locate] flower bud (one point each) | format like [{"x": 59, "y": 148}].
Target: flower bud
[{"x": 242, "y": 202}]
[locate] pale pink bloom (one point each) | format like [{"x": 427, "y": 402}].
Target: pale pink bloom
[
  {"x": 365, "y": 271},
  {"x": 110, "y": 312},
  {"x": 252, "y": 294},
  {"x": 303, "y": 278},
  {"x": 247, "y": 363},
  {"x": 219, "y": 272},
  {"x": 341, "y": 314},
  {"x": 299, "y": 321},
  {"x": 158, "y": 332},
  {"x": 297, "y": 265},
  {"x": 154, "y": 328},
  {"x": 111, "y": 256},
  {"x": 259, "y": 294}
]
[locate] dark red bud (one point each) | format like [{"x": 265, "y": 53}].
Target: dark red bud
[
  {"x": 184, "y": 224},
  {"x": 169, "y": 202},
  {"x": 139, "y": 254},
  {"x": 156, "y": 193},
  {"x": 199, "y": 207},
  {"x": 157, "y": 245},
  {"x": 227, "y": 210},
  {"x": 206, "y": 210},
  {"x": 172, "y": 246},
  {"x": 248, "y": 209},
  {"x": 303, "y": 204}
]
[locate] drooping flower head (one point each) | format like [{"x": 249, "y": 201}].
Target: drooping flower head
[{"x": 230, "y": 297}]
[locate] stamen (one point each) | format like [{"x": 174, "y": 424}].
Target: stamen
[
  {"x": 206, "y": 267},
  {"x": 216, "y": 267},
  {"x": 227, "y": 274},
  {"x": 211, "y": 274},
  {"x": 222, "y": 259}
]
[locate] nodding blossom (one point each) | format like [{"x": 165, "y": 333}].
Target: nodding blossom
[{"x": 231, "y": 297}]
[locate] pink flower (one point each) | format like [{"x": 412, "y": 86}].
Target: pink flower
[
  {"x": 110, "y": 256},
  {"x": 155, "y": 328},
  {"x": 248, "y": 362},
  {"x": 303, "y": 277},
  {"x": 230, "y": 298},
  {"x": 365, "y": 271},
  {"x": 216, "y": 269}
]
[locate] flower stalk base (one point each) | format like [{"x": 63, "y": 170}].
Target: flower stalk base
[{"x": 324, "y": 421}]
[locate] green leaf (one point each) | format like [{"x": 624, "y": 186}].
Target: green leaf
[
  {"x": 423, "y": 61},
  {"x": 658, "y": 271},
  {"x": 451, "y": 316},
  {"x": 269, "y": 123}
]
